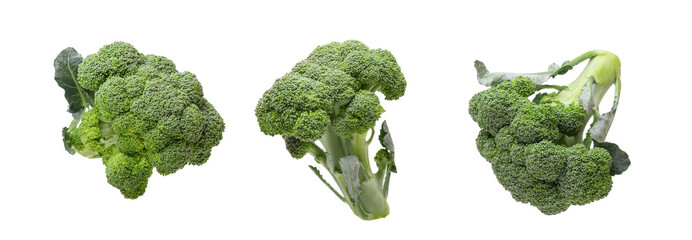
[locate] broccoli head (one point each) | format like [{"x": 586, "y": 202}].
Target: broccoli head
[
  {"x": 137, "y": 113},
  {"x": 537, "y": 147},
  {"x": 330, "y": 97}
]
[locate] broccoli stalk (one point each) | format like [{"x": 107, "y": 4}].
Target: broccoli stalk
[
  {"x": 330, "y": 97},
  {"x": 369, "y": 201},
  {"x": 602, "y": 72},
  {"x": 537, "y": 148}
]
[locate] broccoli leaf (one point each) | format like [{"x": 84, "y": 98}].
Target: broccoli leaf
[
  {"x": 492, "y": 79},
  {"x": 539, "y": 96},
  {"x": 387, "y": 142},
  {"x": 620, "y": 159},
  {"x": 586, "y": 96},
  {"x": 385, "y": 137},
  {"x": 67, "y": 140},
  {"x": 351, "y": 167},
  {"x": 66, "y": 64},
  {"x": 600, "y": 128}
]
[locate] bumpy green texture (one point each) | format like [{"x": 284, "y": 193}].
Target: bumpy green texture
[
  {"x": 330, "y": 97},
  {"x": 144, "y": 115},
  {"x": 536, "y": 148}
]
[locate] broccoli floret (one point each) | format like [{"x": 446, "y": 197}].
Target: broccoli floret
[
  {"x": 330, "y": 97},
  {"x": 534, "y": 123},
  {"x": 485, "y": 142},
  {"x": 520, "y": 85},
  {"x": 115, "y": 59},
  {"x": 536, "y": 148},
  {"x": 360, "y": 115},
  {"x": 587, "y": 177},
  {"x": 138, "y": 113},
  {"x": 128, "y": 172},
  {"x": 495, "y": 108}
]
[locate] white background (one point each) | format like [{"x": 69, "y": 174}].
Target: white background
[{"x": 252, "y": 189}]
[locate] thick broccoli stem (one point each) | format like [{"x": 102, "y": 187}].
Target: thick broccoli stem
[
  {"x": 333, "y": 144},
  {"x": 371, "y": 203},
  {"x": 359, "y": 146},
  {"x": 602, "y": 71},
  {"x": 339, "y": 147}
]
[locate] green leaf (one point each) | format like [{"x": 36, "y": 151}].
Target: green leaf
[
  {"x": 386, "y": 137},
  {"x": 387, "y": 142},
  {"x": 620, "y": 159},
  {"x": 492, "y": 79},
  {"x": 67, "y": 140},
  {"x": 587, "y": 141},
  {"x": 586, "y": 97},
  {"x": 599, "y": 130},
  {"x": 66, "y": 64},
  {"x": 539, "y": 96},
  {"x": 351, "y": 167}
]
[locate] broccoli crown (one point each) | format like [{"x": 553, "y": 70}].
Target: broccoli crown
[
  {"x": 145, "y": 115},
  {"x": 334, "y": 85},
  {"x": 549, "y": 176},
  {"x": 331, "y": 97},
  {"x": 536, "y": 148}
]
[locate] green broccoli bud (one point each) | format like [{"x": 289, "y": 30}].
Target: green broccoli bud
[
  {"x": 172, "y": 158},
  {"x": 494, "y": 108},
  {"x": 520, "y": 85},
  {"x": 570, "y": 118},
  {"x": 486, "y": 144},
  {"x": 129, "y": 173},
  {"x": 311, "y": 125},
  {"x": 116, "y": 59},
  {"x": 297, "y": 148},
  {"x": 360, "y": 116},
  {"x": 534, "y": 123},
  {"x": 504, "y": 139},
  {"x": 161, "y": 64},
  {"x": 545, "y": 160},
  {"x": 587, "y": 178}
]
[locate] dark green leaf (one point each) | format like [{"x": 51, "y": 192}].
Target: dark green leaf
[
  {"x": 387, "y": 142},
  {"x": 587, "y": 141},
  {"x": 386, "y": 138},
  {"x": 538, "y": 97},
  {"x": 66, "y": 64},
  {"x": 67, "y": 140},
  {"x": 621, "y": 161}
]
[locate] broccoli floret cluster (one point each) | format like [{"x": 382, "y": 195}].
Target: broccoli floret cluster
[
  {"x": 335, "y": 86},
  {"x": 330, "y": 97},
  {"x": 140, "y": 113},
  {"x": 536, "y": 148}
]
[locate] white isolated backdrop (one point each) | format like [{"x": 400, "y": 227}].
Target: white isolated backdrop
[{"x": 252, "y": 189}]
